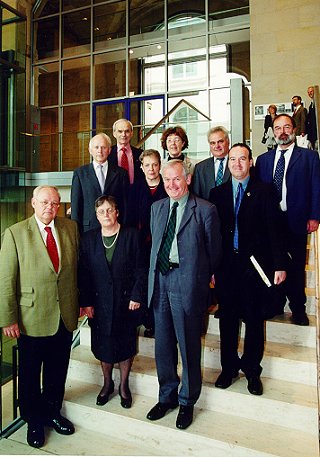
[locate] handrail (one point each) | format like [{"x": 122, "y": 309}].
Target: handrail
[{"x": 317, "y": 280}]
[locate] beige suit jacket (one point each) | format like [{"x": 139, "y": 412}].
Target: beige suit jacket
[{"x": 32, "y": 294}]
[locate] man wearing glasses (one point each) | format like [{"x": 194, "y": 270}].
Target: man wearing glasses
[{"x": 38, "y": 297}]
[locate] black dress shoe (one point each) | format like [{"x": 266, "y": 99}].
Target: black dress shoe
[
  {"x": 149, "y": 333},
  {"x": 126, "y": 402},
  {"x": 61, "y": 425},
  {"x": 185, "y": 417},
  {"x": 159, "y": 410},
  {"x": 103, "y": 399},
  {"x": 35, "y": 435},
  {"x": 255, "y": 386},
  {"x": 225, "y": 380},
  {"x": 300, "y": 319}
]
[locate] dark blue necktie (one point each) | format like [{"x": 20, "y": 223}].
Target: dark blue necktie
[
  {"x": 239, "y": 196},
  {"x": 219, "y": 177},
  {"x": 164, "y": 252},
  {"x": 279, "y": 172}
]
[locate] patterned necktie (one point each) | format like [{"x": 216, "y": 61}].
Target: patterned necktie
[
  {"x": 100, "y": 177},
  {"x": 124, "y": 163},
  {"x": 279, "y": 172},
  {"x": 236, "y": 211},
  {"x": 164, "y": 252},
  {"x": 52, "y": 249},
  {"x": 219, "y": 177}
]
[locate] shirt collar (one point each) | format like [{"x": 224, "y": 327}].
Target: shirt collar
[{"x": 42, "y": 226}]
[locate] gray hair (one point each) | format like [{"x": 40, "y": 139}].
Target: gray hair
[
  {"x": 104, "y": 136},
  {"x": 38, "y": 189},
  {"x": 122, "y": 120},
  {"x": 174, "y": 162},
  {"x": 219, "y": 128}
]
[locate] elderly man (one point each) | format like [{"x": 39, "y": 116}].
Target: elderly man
[
  {"x": 249, "y": 214},
  {"x": 123, "y": 154},
  {"x": 214, "y": 171},
  {"x": 38, "y": 306},
  {"x": 312, "y": 119},
  {"x": 295, "y": 173},
  {"x": 186, "y": 248},
  {"x": 95, "y": 179}
]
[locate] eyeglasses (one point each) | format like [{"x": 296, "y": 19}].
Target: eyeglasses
[
  {"x": 174, "y": 140},
  {"x": 102, "y": 212},
  {"x": 45, "y": 203}
]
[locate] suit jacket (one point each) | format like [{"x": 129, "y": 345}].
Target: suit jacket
[
  {"x": 259, "y": 233},
  {"x": 32, "y": 294},
  {"x": 204, "y": 178},
  {"x": 113, "y": 159},
  {"x": 312, "y": 124},
  {"x": 199, "y": 245},
  {"x": 300, "y": 118},
  {"x": 303, "y": 184},
  {"x": 86, "y": 189},
  {"x": 109, "y": 288}
]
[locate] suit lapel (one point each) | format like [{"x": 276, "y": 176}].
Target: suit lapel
[
  {"x": 296, "y": 154},
  {"x": 188, "y": 212},
  {"x": 93, "y": 180}
]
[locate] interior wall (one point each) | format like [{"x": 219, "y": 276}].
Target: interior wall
[{"x": 285, "y": 54}]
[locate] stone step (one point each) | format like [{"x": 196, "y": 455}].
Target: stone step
[
  {"x": 213, "y": 433},
  {"x": 281, "y": 401},
  {"x": 280, "y": 329}
]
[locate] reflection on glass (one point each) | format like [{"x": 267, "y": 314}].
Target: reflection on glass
[
  {"x": 76, "y": 80},
  {"x": 110, "y": 75},
  {"x": 46, "y": 37},
  {"x": 76, "y": 32},
  {"x": 220, "y": 107},
  {"x": 49, "y": 142},
  {"x": 75, "y": 119},
  {"x": 220, "y": 10},
  {"x": 109, "y": 25},
  {"x": 48, "y": 80},
  {"x": 147, "y": 65},
  {"x": 45, "y": 8},
  {"x": 71, "y": 4},
  {"x": 75, "y": 150},
  {"x": 106, "y": 115},
  {"x": 193, "y": 22},
  {"x": 144, "y": 20}
]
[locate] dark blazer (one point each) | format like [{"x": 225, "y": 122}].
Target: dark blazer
[
  {"x": 109, "y": 288},
  {"x": 204, "y": 178},
  {"x": 144, "y": 201},
  {"x": 199, "y": 244},
  {"x": 113, "y": 159},
  {"x": 259, "y": 231},
  {"x": 303, "y": 185},
  {"x": 86, "y": 189},
  {"x": 312, "y": 124}
]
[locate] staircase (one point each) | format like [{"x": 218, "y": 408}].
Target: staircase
[{"x": 227, "y": 423}]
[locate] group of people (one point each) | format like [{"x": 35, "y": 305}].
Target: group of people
[
  {"x": 305, "y": 120},
  {"x": 222, "y": 222}
]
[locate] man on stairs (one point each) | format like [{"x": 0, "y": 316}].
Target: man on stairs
[
  {"x": 249, "y": 215},
  {"x": 299, "y": 196}
]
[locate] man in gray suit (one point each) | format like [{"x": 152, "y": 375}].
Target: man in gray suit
[
  {"x": 186, "y": 248},
  {"x": 213, "y": 171}
]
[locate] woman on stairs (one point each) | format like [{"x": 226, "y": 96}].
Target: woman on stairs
[{"x": 112, "y": 285}]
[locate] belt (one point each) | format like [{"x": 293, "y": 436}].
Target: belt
[{"x": 173, "y": 265}]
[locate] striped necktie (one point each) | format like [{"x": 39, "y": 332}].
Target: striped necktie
[{"x": 219, "y": 177}]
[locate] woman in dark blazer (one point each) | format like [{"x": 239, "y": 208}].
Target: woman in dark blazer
[
  {"x": 112, "y": 286},
  {"x": 148, "y": 190}
]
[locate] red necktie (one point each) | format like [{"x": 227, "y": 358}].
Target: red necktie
[
  {"x": 52, "y": 249},
  {"x": 124, "y": 159}
]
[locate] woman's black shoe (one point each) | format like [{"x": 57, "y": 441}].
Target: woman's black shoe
[
  {"x": 126, "y": 402},
  {"x": 103, "y": 399}
]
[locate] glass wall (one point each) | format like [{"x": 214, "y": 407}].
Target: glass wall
[{"x": 109, "y": 51}]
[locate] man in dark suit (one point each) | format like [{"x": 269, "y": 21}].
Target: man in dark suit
[
  {"x": 123, "y": 154},
  {"x": 97, "y": 178},
  {"x": 213, "y": 171},
  {"x": 126, "y": 156},
  {"x": 38, "y": 296},
  {"x": 249, "y": 214},
  {"x": 312, "y": 120},
  {"x": 299, "y": 197},
  {"x": 186, "y": 247}
]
